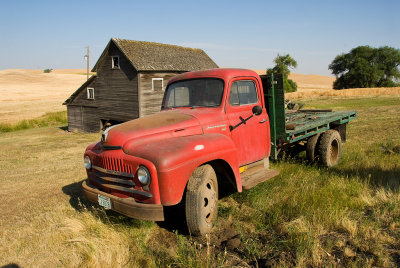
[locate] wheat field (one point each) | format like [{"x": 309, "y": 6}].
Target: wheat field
[{"x": 27, "y": 94}]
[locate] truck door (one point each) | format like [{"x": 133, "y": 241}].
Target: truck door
[{"x": 252, "y": 138}]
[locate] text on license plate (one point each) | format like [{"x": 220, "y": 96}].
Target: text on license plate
[{"x": 104, "y": 201}]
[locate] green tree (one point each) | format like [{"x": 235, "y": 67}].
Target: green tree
[
  {"x": 283, "y": 63},
  {"x": 365, "y": 66}
]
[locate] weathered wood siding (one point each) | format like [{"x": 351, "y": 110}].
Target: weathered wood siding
[
  {"x": 150, "y": 100},
  {"x": 91, "y": 121},
  {"x": 115, "y": 94},
  {"x": 74, "y": 118}
]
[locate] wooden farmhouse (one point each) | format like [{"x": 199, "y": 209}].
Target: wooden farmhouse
[{"x": 130, "y": 82}]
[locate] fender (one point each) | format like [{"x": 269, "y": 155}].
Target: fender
[{"x": 177, "y": 157}]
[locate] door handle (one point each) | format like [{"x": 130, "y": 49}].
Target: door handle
[{"x": 263, "y": 121}]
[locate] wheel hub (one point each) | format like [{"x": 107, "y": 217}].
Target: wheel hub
[{"x": 209, "y": 202}]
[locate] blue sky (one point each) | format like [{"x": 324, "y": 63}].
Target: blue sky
[{"x": 245, "y": 34}]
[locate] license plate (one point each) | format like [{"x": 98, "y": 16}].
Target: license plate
[{"x": 104, "y": 201}]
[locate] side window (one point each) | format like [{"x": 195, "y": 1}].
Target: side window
[
  {"x": 115, "y": 62},
  {"x": 90, "y": 93},
  {"x": 157, "y": 84},
  {"x": 242, "y": 93}
]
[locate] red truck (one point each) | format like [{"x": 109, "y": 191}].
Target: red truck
[{"x": 215, "y": 133}]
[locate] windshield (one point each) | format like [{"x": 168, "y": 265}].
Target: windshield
[{"x": 203, "y": 92}]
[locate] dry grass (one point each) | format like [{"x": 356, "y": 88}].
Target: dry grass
[
  {"x": 353, "y": 92},
  {"x": 307, "y": 216},
  {"x": 40, "y": 172}
]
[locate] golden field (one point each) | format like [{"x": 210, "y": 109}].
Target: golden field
[{"x": 26, "y": 94}]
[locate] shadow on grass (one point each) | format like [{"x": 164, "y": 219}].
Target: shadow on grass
[
  {"x": 11, "y": 265},
  {"x": 374, "y": 176},
  {"x": 174, "y": 219},
  {"x": 78, "y": 201}
]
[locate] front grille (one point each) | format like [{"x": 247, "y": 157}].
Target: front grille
[
  {"x": 115, "y": 163},
  {"x": 115, "y": 175}
]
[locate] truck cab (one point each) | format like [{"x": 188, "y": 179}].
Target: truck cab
[{"x": 221, "y": 99}]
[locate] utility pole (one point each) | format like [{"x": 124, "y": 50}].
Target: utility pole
[{"x": 87, "y": 61}]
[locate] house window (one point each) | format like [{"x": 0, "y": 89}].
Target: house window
[
  {"x": 90, "y": 93},
  {"x": 157, "y": 84},
  {"x": 115, "y": 62}
]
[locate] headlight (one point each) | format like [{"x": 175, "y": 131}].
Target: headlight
[
  {"x": 88, "y": 163},
  {"x": 143, "y": 175}
]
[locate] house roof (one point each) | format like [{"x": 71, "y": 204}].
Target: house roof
[
  {"x": 88, "y": 82},
  {"x": 149, "y": 56}
]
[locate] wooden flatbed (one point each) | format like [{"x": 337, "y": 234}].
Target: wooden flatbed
[{"x": 301, "y": 124}]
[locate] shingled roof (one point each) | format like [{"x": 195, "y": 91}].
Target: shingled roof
[{"x": 149, "y": 56}]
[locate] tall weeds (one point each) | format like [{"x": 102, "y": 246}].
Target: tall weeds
[{"x": 49, "y": 119}]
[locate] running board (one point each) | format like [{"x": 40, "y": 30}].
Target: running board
[{"x": 256, "y": 175}]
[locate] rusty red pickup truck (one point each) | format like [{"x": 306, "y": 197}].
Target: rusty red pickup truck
[{"x": 216, "y": 131}]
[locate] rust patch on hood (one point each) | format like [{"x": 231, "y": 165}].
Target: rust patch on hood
[
  {"x": 157, "y": 120},
  {"x": 169, "y": 123}
]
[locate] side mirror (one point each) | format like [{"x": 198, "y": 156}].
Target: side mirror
[{"x": 257, "y": 110}]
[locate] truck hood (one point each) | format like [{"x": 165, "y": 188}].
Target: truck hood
[{"x": 162, "y": 125}]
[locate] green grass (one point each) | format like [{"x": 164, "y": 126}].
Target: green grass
[
  {"x": 49, "y": 119},
  {"x": 308, "y": 216},
  {"x": 348, "y": 215},
  {"x": 352, "y": 102}
]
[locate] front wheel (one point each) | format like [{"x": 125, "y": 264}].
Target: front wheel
[
  {"x": 330, "y": 148},
  {"x": 201, "y": 204}
]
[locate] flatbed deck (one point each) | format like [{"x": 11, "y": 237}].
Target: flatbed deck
[
  {"x": 288, "y": 127},
  {"x": 301, "y": 124}
]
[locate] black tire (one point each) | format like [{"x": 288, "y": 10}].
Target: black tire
[
  {"x": 312, "y": 148},
  {"x": 201, "y": 205},
  {"x": 330, "y": 148}
]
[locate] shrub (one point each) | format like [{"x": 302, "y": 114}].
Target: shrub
[{"x": 283, "y": 63}]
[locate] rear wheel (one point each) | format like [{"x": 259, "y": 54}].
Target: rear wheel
[
  {"x": 312, "y": 153},
  {"x": 201, "y": 204},
  {"x": 330, "y": 148}
]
